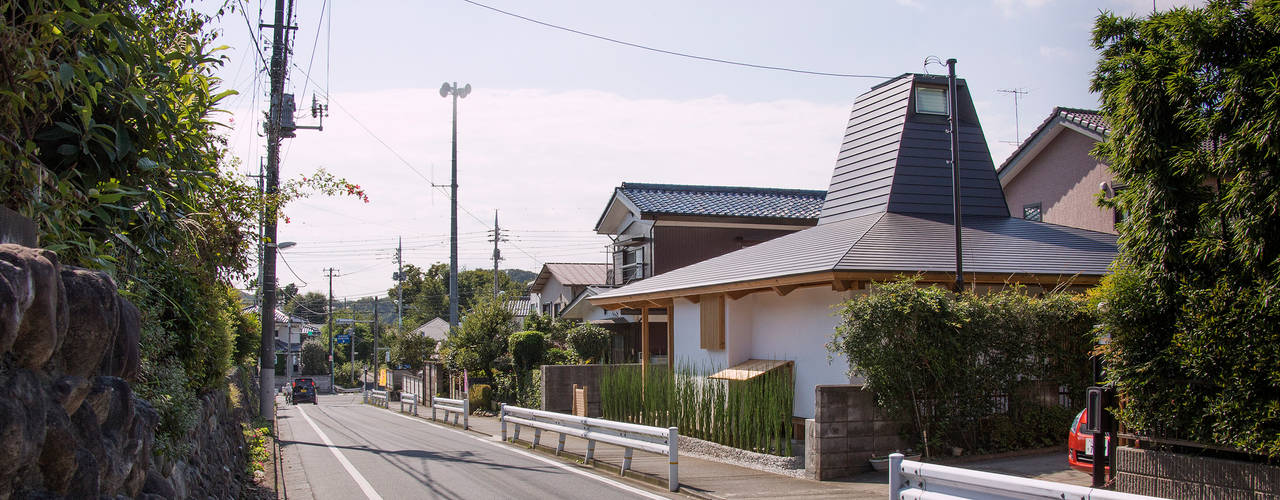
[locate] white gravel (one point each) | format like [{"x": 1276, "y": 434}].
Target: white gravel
[{"x": 707, "y": 450}]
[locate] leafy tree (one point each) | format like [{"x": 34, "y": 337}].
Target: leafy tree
[
  {"x": 1191, "y": 310},
  {"x": 411, "y": 349},
  {"x": 527, "y": 349},
  {"x": 590, "y": 342},
  {"x": 315, "y": 358},
  {"x": 310, "y": 306},
  {"x": 556, "y": 328},
  {"x": 285, "y": 294},
  {"x": 426, "y": 292},
  {"x": 248, "y": 336},
  {"x": 481, "y": 338}
]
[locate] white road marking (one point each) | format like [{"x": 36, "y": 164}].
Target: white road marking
[
  {"x": 558, "y": 464},
  {"x": 360, "y": 480}
]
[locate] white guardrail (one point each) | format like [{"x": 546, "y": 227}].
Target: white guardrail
[
  {"x": 663, "y": 441},
  {"x": 458, "y": 407},
  {"x": 412, "y": 399},
  {"x": 911, "y": 480},
  {"x": 376, "y": 397}
]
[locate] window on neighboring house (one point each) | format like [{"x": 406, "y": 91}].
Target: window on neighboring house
[
  {"x": 931, "y": 101},
  {"x": 546, "y": 309},
  {"x": 1032, "y": 212},
  {"x": 632, "y": 265}
]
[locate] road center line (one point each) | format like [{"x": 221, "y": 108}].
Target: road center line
[
  {"x": 360, "y": 480},
  {"x": 555, "y": 463}
]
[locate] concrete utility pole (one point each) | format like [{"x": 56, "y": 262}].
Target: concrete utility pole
[
  {"x": 497, "y": 254},
  {"x": 954, "y": 119},
  {"x": 376, "y": 333},
  {"x": 399, "y": 284},
  {"x": 329, "y": 272},
  {"x": 267, "y": 364},
  {"x": 445, "y": 91}
]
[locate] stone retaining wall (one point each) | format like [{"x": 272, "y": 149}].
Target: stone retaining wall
[{"x": 1180, "y": 476}]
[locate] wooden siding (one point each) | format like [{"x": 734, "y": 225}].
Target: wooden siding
[
  {"x": 678, "y": 246},
  {"x": 711, "y": 322}
]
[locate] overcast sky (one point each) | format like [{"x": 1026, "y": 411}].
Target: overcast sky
[{"x": 556, "y": 120}]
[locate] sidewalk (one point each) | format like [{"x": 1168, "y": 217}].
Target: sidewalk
[{"x": 698, "y": 478}]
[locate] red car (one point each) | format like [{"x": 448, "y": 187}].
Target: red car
[{"x": 1080, "y": 447}]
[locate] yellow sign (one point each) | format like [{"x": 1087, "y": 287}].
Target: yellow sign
[{"x": 382, "y": 377}]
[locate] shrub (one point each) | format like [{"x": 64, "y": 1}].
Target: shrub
[
  {"x": 590, "y": 342},
  {"x": 558, "y": 356},
  {"x": 481, "y": 397},
  {"x": 938, "y": 359},
  {"x": 163, "y": 383},
  {"x": 527, "y": 349},
  {"x": 315, "y": 358}
]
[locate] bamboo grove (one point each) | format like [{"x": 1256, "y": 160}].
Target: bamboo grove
[{"x": 752, "y": 415}]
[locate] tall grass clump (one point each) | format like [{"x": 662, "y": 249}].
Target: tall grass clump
[{"x": 752, "y": 415}]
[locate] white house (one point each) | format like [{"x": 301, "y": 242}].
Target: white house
[{"x": 887, "y": 212}]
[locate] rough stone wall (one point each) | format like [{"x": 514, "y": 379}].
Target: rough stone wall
[
  {"x": 1179, "y": 476},
  {"x": 70, "y": 425},
  {"x": 846, "y": 429}
]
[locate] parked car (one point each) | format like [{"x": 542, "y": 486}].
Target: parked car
[
  {"x": 1080, "y": 446},
  {"x": 304, "y": 390}
]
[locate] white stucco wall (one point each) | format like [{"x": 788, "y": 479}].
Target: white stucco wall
[{"x": 766, "y": 325}]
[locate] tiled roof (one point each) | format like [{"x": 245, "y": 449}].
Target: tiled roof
[
  {"x": 1089, "y": 119},
  {"x": 570, "y": 274},
  {"x": 521, "y": 306},
  {"x": 897, "y": 242},
  {"x": 724, "y": 201}
]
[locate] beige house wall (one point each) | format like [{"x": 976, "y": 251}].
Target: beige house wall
[{"x": 1065, "y": 180}]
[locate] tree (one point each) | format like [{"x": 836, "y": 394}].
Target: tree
[
  {"x": 315, "y": 358},
  {"x": 1192, "y": 308},
  {"x": 555, "y": 328},
  {"x": 527, "y": 349},
  {"x": 310, "y": 306},
  {"x": 426, "y": 292},
  {"x": 411, "y": 349},
  {"x": 481, "y": 338},
  {"x": 286, "y": 294},
  {"x": 590, "y": 342}
]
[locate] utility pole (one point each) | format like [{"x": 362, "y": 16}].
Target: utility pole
[
  {"x": 954, "y": 120},
  {"x": 329, "y": 272},
  {"x": 445, "y": 91},
  {"x": 376, "y": 333},
  {"x": 497, "y": 254},
  {"x": 267, "y": 366}
]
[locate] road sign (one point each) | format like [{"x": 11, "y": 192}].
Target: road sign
[{"x": 342, "y": 339}]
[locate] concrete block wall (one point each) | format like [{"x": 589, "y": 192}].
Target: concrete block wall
[
  {"x": 1181, "y": 476},
  {"x": 847, "y": 429}
]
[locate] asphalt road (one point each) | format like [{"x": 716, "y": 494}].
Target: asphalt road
[{"x": 342, "y": 449}]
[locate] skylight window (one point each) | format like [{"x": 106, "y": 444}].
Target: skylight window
[{"x": 931, "y": 101}]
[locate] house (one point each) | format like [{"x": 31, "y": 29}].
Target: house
[
  {"x": 656, "y": 228},
  {"x": 1052, "y": 177},
  {"x": 559, "y": 283},
  {"x": 290, "y": 333},
  {"x": 887, "y": 212},
  {"x": 520, "y": 308},
  {"x": 436, "y": 328}
]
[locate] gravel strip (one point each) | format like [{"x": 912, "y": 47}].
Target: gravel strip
[{"x": 707, "y": 450}]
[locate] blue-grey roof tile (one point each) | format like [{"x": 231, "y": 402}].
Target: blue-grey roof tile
[{"x": 724, "y": 201}]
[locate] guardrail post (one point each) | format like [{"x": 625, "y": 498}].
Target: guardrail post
[
  {"x": 626, "y": 462},
  {"x": 466, "y": 410},
  {"x": 516, "y": 437},
  {"x": 537, "y": 436},
  {"x": 673, "y": 451},
  {"x": 591, "y": 451},
  {"x": 895, "y": 475},
  {"x": 502, "y": 420},
  {"x": 433, "y": 409},
  {"x": 560, "y": 445}
]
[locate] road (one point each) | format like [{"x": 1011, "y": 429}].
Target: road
[{"x": 342, "y": 449}]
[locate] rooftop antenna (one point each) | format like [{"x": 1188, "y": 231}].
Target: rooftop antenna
[{"x": 1017, "y": 129}]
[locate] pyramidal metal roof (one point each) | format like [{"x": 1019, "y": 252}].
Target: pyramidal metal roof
[{"x": 888, "y": 209}]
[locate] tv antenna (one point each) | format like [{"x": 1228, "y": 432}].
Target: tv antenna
[{"x": 1017, "y": 129}]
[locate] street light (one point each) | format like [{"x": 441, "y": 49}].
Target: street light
[{"x": 445, "y": 91}]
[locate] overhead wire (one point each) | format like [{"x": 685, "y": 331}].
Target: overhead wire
[{"x": 672, "y": 52}]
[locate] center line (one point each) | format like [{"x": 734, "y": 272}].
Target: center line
[{"x": 360, "y": 480}]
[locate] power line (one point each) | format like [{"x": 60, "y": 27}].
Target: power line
[{"x": 672, "y": 52}]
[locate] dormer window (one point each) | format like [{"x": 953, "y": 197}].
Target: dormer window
[{"x": 932, "y": 101}]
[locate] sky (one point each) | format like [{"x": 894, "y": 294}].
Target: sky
[{"x": 556, "y": 120}]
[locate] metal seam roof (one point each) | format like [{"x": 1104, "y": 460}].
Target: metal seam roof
[{"x": 724, "y": 201}]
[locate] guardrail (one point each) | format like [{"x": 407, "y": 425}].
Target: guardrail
[
  {"x": 410, "y": 398},
  {"x": 663, "y": 441},
  {"x": 376, "y": 397},
  {"x": 911, "y": 480},
  {"x": 458, "y": 407}
]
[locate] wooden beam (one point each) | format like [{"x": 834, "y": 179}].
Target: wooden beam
[
  {"x": 785, "y": 289},
  {"x": 738, "y": 294},
  {"x": 671, "y": 340},
  {"x": 841, "y": 285},
  {"x": 693, "y": 298},
  {"x": 644, "y": 341}
]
